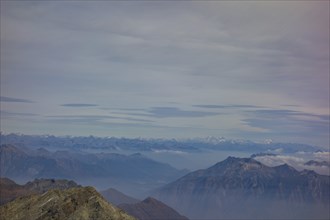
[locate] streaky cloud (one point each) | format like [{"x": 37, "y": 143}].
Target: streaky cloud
[
  {"x": 92, "y": 118},
  {"x": 288, "y": 122},
  {"x": 168, "y": 112},
  {"x": 13, "y": 114},
  {"x": 79, "y": 105},
  {"x": 227, "y": 106},
  {"x": 10, "y": 99}
]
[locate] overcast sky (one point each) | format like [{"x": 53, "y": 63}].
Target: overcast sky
[{"x": 248, "y": 70}]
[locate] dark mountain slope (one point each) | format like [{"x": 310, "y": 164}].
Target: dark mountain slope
[
  {"x": 245, "y": 188},
  {"x": 115, "y": 197}
]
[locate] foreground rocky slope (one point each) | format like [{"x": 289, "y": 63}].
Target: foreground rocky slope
[{"x": 75, "y": 203}]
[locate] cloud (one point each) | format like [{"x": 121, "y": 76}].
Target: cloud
[
  {"x": 9, "y": 99},
  {"x": 169, "y": 112},
  {"x": 296, "y": 161},
  {"x": 78, "y": 105},
  {"x": 227, "y": 106},
  {"x": 288, "y": 121},
  {"x": 96, "y": 119},
  {"x": 322, "y": 155},
  {"x": 13, "y": 114}
]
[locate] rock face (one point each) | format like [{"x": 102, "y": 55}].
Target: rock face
[
  {"x": 76, "y": 203},
  {"x": 151, "y": 209},
  {"x": 115, "y": 197},
  {"x": 245, "y": 188},
  {"x": 9, "y": 190}
]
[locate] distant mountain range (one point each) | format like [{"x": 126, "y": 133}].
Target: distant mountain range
[
  {"x": 243, "y": 188},
  {"x": 133, "y": 174},
  {"x": 140, "y": 144},
  {"x": 75, "y": 203}
]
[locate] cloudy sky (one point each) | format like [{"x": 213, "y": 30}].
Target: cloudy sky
[{"x": 248, "y": 70}]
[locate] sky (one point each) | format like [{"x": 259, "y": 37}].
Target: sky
[{"x": 163, "y": 69}]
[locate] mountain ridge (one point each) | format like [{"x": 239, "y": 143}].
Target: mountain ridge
[
  {"x": 247, "y": 184},
  {"x": 9, "y": 190}
]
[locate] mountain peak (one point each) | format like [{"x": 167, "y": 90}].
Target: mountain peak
[
  {"x": 150, "y": 200},
  {"x": 116, "y": 197},
  {"x": 285, "y": 169},
  {"x": 232, "y": 162},
  {"x": 150, "y": 209}
]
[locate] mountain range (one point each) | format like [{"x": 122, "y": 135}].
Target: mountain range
[
  {"x": 141, "y": 144},
  {"x": 133, "y": 174},
  {"x": 243, "y": 188}
]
